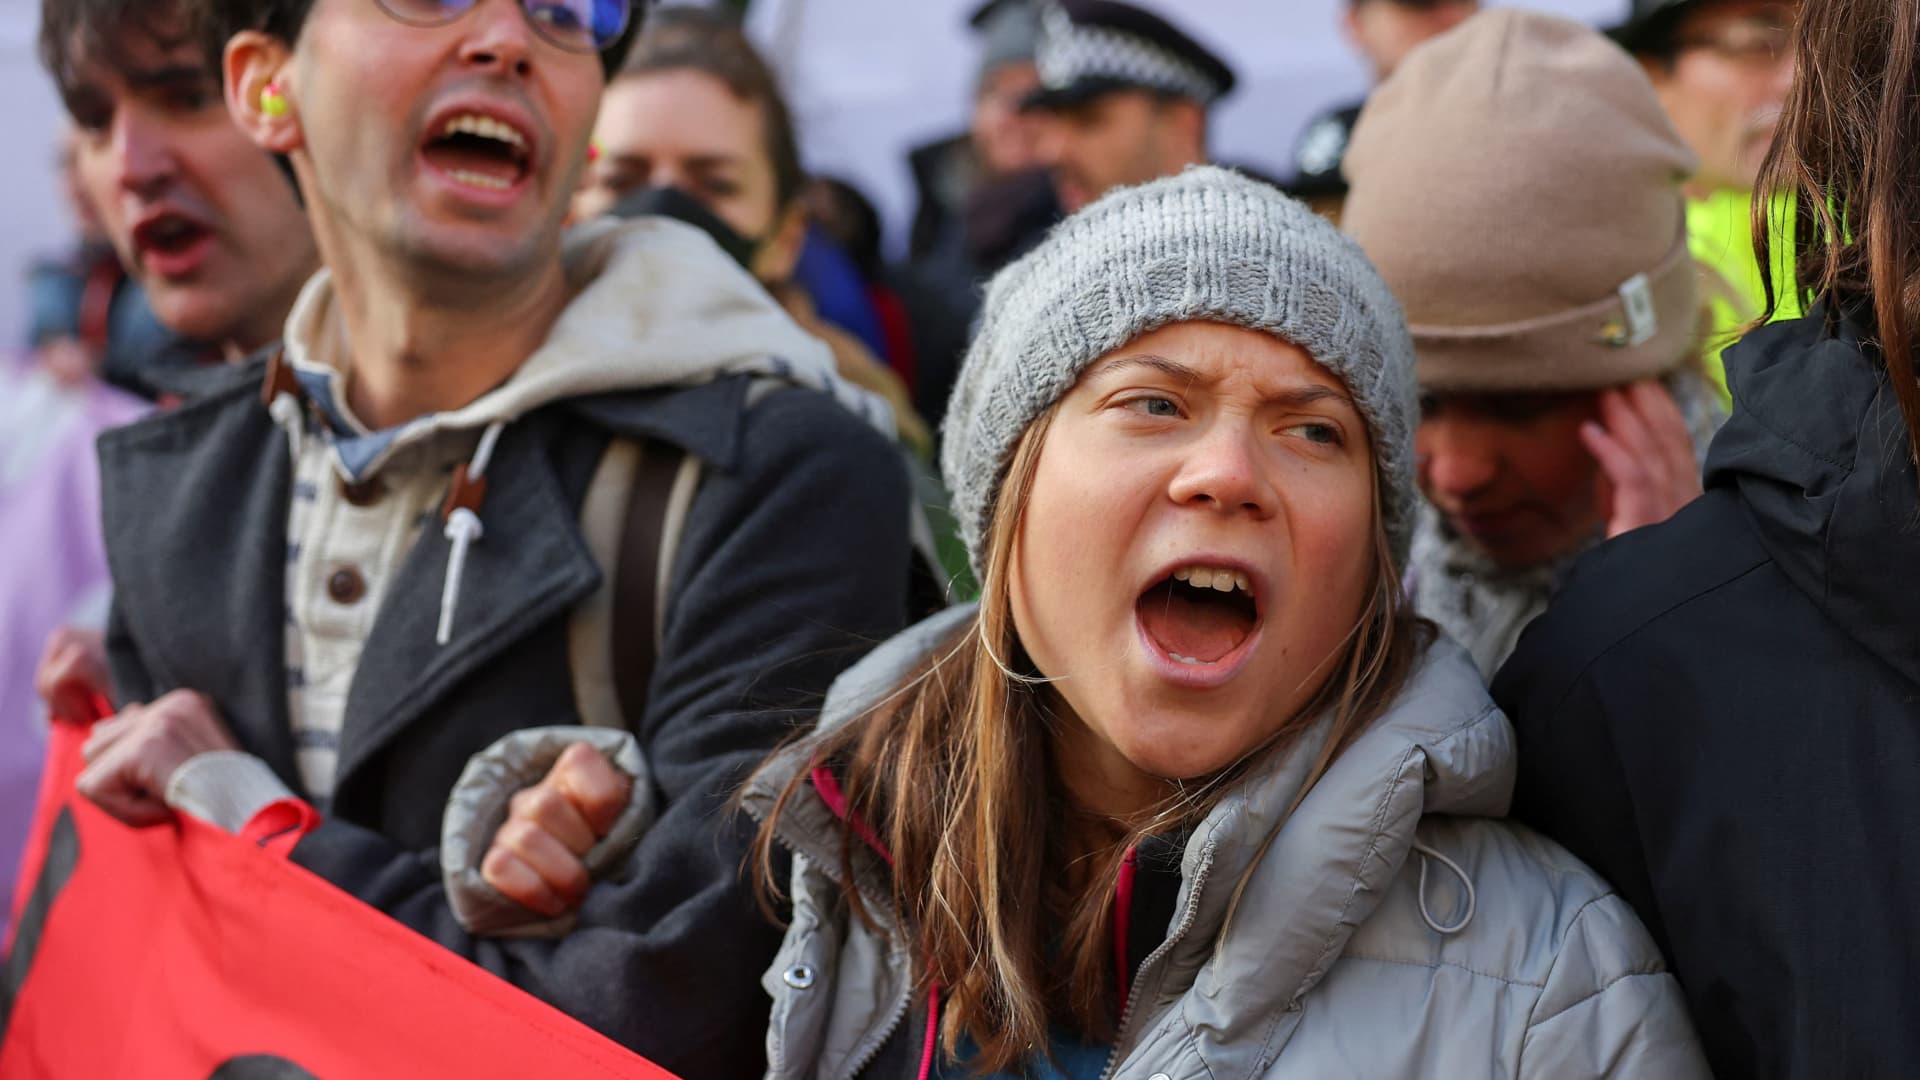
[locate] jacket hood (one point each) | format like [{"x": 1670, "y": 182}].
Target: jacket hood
[
  {"x": 1817, "y": 450},
  {"x": 1442, "y": 747},
  {"x": 657, "y": 304}
]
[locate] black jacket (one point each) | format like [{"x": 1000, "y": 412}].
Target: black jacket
[
  {"x": 794, "y": 560},
  {"x": 1722, "y": 715}
]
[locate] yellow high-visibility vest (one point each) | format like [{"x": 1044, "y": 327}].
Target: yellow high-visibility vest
[{"x": 1720, "y": 235}]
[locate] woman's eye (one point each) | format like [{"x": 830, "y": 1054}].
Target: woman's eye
[
  {"x": 1324, "y": 434},
  {"x": 1164, "y": 408}
]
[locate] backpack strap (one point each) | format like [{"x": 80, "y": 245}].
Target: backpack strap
[
  {"x": 662, "y": 494},
  {"x": 631, "y": 519}
]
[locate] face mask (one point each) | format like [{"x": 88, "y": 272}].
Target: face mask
[{"x": 673, "y": 203}]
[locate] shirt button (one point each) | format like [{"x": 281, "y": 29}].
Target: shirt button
[{"x": 346, "y": 586}]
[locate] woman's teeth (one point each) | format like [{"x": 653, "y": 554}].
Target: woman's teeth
[
  {"x": 480, "y": 180},
  {"x": 1206, "y": 577}
]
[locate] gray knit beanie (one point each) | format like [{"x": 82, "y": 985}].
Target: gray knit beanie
[{"x": 1208, "y": 245}]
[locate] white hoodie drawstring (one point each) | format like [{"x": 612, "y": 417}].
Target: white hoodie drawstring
[
  {"x": 464, "y": 530},
  {"x": 1427, "y": 853}
]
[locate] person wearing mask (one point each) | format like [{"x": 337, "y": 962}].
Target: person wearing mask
[
  {"x": 1383, "y": 32},
  {"x": 1718, "y": 712},
  {"x": 1561, "y": 396},
  {"x": 697, "y": 115},
  {"x": 367, "y": 554},
  {"x": 1125, "y": 95},
  {"x": 1722, "y": 69},
  {"x": 1190, "y": 791}
]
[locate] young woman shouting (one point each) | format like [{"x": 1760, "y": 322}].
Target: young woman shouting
[{"x": 1191, "y": 793}]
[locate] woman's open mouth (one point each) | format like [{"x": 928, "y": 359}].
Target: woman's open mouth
[
  {"x": 1199, "y": 622},
  {"x": 480, "y": 152}
]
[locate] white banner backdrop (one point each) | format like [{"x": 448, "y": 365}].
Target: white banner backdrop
[{"x": 869, "y": 79}]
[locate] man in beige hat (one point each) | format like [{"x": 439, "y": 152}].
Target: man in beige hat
[{"x": 1519, "y": 187}]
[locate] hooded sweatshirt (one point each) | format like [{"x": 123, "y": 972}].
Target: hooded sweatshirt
[
  {"x": 652, "y": 309},
  {"x": 1719, "y": 713},
  {"x": 1390, "y": 927},
  {"x": 241, "y": 535}
]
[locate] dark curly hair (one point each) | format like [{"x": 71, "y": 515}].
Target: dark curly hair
[
  {"x": 218, "y": 20},
  {"x": 73, "y": 31}
]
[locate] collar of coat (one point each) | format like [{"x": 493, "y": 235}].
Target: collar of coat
[
  {"x": 194, "y": 509},
  {"x": 1310, "y": 880}
]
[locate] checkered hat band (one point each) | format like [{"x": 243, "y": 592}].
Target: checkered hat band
[{"x": 1069, "y": 52}]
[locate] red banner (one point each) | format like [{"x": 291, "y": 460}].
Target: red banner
[{"x": 183, "y": 952}]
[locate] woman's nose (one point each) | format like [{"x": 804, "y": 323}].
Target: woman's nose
[{"x": 1224, "y": 470}]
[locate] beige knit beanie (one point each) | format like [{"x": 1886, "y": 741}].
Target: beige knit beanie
[{"x": 1518, "y": 185}]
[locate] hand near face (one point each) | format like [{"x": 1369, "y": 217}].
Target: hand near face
[
  {"x": 73, "y": 668},
  {"x": 131, "y": 757},
  {"x": 1644, "y": 447},
  {"x": 536, "y": 856}
]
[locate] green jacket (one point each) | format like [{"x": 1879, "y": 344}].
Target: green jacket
[{"x": 1720, "y": 235}]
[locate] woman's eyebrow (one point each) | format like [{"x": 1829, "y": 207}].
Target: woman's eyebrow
[
  {"x": 1307, "y": 395},
  {"x": 1171, "y": 368},
  {"x": 1291, "y": 397}
]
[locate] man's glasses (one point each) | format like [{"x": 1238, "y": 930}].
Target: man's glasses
[
  {"x": 1750, "y": 44},
  {"x": 584, "y": 26}
]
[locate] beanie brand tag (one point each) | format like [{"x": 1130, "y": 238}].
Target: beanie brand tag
[{"x": 1636, "y": 296}]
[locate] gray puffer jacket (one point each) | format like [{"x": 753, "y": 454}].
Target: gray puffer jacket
[{"x": 1359, "y": 948}]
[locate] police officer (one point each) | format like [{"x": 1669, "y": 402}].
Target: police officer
[{"x": 1126, "y": 94}]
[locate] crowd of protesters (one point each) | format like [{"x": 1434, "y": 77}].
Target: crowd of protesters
[{"x": 514, "y": 397}]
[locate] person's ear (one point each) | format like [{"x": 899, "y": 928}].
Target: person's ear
[
  {"x": 260, "y": 96},
  {"x": 777, "y": 257}
]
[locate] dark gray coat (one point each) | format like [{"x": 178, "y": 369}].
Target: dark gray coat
[{"x": 794, "y": 559}]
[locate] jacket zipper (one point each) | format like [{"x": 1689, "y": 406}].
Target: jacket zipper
[
  {"x": 900, "y": 1008},
  {"x": 874, "y": 1046},
  {"x": 1187, "y": 919}
]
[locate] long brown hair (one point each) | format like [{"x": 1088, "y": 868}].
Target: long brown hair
[
  {"x": 954, "y": 774},
  {"x": 1847, "y": 162}
]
